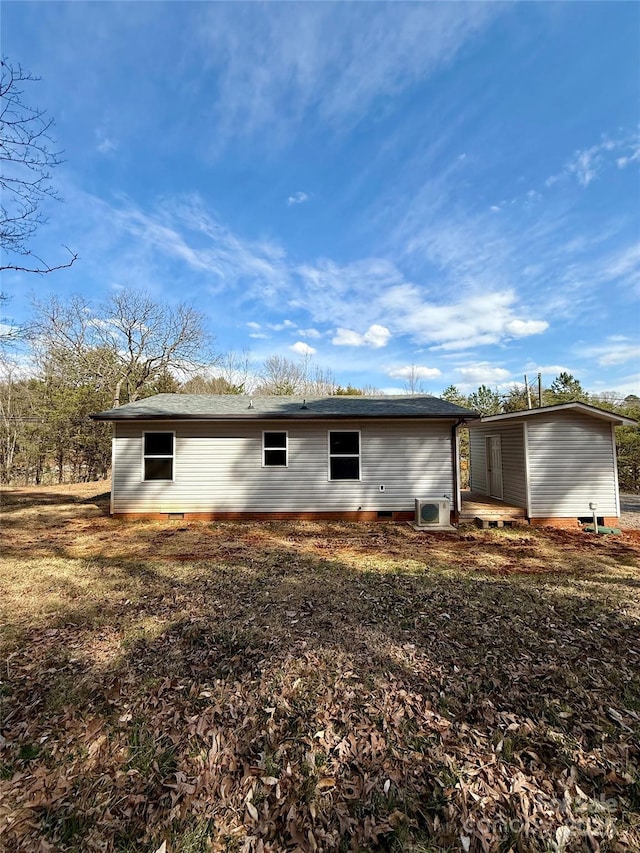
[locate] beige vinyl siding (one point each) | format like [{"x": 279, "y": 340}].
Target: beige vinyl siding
[
  {"x": 477, "y": 461},
  {"x": 514, "y": 477},
  {"x": 218, "y": 467},
  {"x": 571, "y": 462}
]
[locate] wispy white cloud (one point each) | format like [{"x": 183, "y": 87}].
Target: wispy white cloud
[
  {"x": 484, "y": 373},
  {"x": 313, "y": 61},
  {"x": 586, "y": 164},
  {"x": 274, "y": 327},
  {"x": 623, "y": 162},
  {"x": 376, "y": 336},
  {"x": 462, "y": 308},
  {"x": 476, "y": 253},
  {"x": 579, "y": 286},
  {"x": 478, "y": 319},
  {"x": 622, "y": 385},
  {"x": 532, "y": 368},
  {"x": 301, "y": 348},
  {"x": 373, "y": 289},
  {"x": 524, "y": 328},
  {"x": 298, "y": 198},
  {"x": 620, "y": 355},
  {"x": 264, "y": 330},
  {"x": 623, "y": 265},
  {"x": 334, "y": 294},
  {"x": 347, "y": 338},
  {"x": 472, "y": 310},
  {"x": 105, "y": 144},
  {"x": 616, "y": 349},
  {"x": 414, "y": 371},
  {"x": 184, "y": 230}
]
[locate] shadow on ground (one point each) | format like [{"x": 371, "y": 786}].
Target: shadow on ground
[{"x": 327, "y": 688}]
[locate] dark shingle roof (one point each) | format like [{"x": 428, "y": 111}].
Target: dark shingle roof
[
  {"x": 583, "y": 408},
  {"x": 230, "y": 406}
]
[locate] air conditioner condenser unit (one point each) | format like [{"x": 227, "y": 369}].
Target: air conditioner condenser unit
[{"x": 433, "y": 512}]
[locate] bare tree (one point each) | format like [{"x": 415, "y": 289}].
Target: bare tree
[
  {"x": 233, "y": 374},
  {"x": 237, "y": 369},
  {"x": 412, "y": 381},
  {"x": 27, "y": 155},
  {"x": 150, "y": 338},
  {"x": 10, "y": 332},
  {"x": 371, "y": 391},
  {"x": 129, "y": 343},
  {"x": 200, "y": 384},
  {"x": 10, "y": 417},
  {"x": 319, "y": 382},
  {"x": 281, "y": 376}
]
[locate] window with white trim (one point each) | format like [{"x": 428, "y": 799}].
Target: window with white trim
[
  {"x": 274, "y": 449},
  {"x": 159, "y": 452},
  {"x": 344, "y": 455}
]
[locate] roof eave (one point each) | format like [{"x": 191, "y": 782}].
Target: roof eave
[
  {"x": 268, "y": 416},
  {"x": 591, "y": 411}
]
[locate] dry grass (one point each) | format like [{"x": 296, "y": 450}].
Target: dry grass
[{"x": 313, "y": 686}]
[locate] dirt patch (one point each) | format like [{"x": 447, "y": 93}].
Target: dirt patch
[{"x": 314, "y": 686}]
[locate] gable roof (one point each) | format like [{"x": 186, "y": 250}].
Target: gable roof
[
  {"x": 583, "y": 408},
  {"x": 242, "y": 407}
]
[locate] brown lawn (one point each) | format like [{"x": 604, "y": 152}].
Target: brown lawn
[{"x": 313, "y": 686}]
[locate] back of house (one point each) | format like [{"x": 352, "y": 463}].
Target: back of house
[{"x": 231, "y": 456}]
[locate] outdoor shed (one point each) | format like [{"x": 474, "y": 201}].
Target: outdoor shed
[
  {"x": 219, "y": 457},
  {"x": 558, "y": 463}
]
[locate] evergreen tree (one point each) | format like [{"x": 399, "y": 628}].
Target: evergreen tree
[
  {"x": 452, "y": 395},
  {"x": 565, "y": 388},
  {"x": 516, "y": 399},
  {"x": 485, "y": 401}
]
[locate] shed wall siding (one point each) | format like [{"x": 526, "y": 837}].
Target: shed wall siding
[
  {"x": 218, "y": 468},
  {"x": 513, "y": 461},
  {"x": 571, "y": 462}
]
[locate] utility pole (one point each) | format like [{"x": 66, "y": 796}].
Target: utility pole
[
  {"x": 539, "y": 390},
  {"x": 526, "y": 385}
]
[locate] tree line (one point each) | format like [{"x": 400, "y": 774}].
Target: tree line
[{"x": 83, "y": 358}]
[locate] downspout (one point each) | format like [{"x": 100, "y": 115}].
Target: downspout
[
  {"x": 114, "y": 431},
  {"x": 455, "y": 468},
  {"x": 615, "y": 468}
]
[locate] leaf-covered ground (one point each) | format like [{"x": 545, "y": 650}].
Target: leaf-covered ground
[{"x": 313, "y": 686}]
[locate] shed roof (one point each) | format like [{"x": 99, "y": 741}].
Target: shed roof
[
  {"x": 231, "y": 407},
  {"x": 583, "y": 408}
]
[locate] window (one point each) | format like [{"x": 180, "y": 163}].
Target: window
[
  {"x": 274, "y": 449},
  {"x": 158, "y": 455},
  {"x": 344, "y": 455}
]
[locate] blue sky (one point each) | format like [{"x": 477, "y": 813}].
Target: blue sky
[{"x": 451, "y": 186}]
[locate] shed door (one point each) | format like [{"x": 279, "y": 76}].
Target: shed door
[{"x": 494, "y": 466}]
